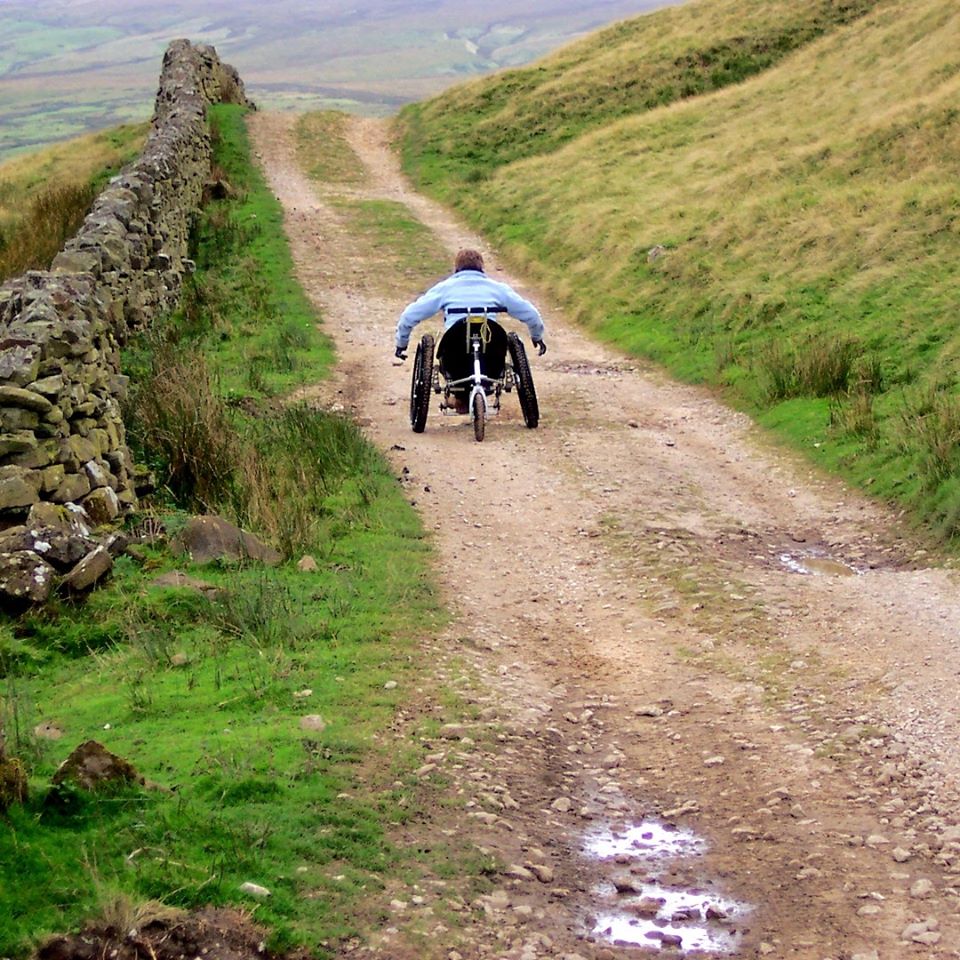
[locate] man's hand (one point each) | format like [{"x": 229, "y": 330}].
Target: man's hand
[
  {"x": 401, "y": 353},
  {"x": 541, "y": 347}
]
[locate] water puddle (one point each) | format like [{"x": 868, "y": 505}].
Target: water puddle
[
  {"x": 824, "y": 566},
  {"x": 645, "y": 904}
]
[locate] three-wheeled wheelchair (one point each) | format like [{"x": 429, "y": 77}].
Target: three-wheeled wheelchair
[{"x": 476, "y": 361}]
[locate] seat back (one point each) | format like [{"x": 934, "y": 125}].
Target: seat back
[{"x": 455, "y": 354}]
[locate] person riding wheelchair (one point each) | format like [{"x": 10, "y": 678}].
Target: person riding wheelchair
[
  {"x": 455, "y": 357},
  {"x": 473, "y": 350}
]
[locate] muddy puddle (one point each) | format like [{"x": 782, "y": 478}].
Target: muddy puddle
[
  {"x": 653, "y": 895},
  {"x": 819, "y": 566}
]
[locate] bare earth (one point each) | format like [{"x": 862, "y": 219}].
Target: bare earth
[{"x": 719, "y": 699}]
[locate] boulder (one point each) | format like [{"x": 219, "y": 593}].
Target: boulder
[
  {"x": 19, "y": 441},
  {"x": 102, "y": 506},
  {"x": 58, "y": 534},
  {"x": 25, "y": 399},
  {"x": 205, "y": 539},
  {"x": 92, "y": 766},
  {"x": 19, "y": 361},
  {"x": 74, "y": 487},
  {"x": 25, "y": 578},
  {"x": 88, "y": 572},
  {"x": 17, "y": 492}
]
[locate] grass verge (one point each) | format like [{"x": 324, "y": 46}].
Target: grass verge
[{"x": 208, "y": 692}]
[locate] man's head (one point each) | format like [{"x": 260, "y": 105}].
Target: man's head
[{"x": 468, "y": 260}]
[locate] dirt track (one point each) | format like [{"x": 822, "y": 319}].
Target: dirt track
[{"x": 676, "y": 625}]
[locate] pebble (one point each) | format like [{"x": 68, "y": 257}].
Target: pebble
[
  {"x": 542, "y": 872},
  {"x": 913, "y": 930},
  {"x": 868, "y": 910},
  {"x": 518, "y": 873},
  {"x": 900, "y": 855},
  {"x": 714, "y": 761},
  {"x": 650, "y": 710},
  {"x": 254, "y": 890},
  {"x": 313, "y": 722},
  {"x": 390, "y": 685},
  {"x": 562, "y": 804},
  {"x": 921, "y": 889}
]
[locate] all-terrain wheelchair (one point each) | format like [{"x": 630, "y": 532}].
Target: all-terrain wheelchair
[{"x": 475, "y": 361}]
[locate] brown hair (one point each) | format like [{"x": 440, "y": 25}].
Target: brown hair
[{"x": 468, "y": 260}]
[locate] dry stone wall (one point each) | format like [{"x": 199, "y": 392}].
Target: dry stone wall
[{"x": 61, "y": 432}]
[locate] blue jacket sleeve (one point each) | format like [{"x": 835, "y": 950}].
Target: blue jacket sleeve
[
  {"x": 421, "y": 308},
  {"x": 523, "y": 310}
]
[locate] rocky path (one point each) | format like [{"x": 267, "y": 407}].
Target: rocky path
[{"x": 719, "y": 710}]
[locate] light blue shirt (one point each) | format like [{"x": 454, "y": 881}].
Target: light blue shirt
[{"x": 467, "y": 288}]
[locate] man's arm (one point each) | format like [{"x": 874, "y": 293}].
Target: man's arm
[
  {"x": 523, "y": 310},
  {"x": 421, "y": 308}
]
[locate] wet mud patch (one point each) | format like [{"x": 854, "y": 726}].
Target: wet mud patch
[
  {"x": 653, "y": 894},
  {"x": 805, "y": 554}
]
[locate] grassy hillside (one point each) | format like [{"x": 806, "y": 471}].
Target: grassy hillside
[
  {"x": 45, "y": 195},
  {"x": 68, "y": 66},
  {"x": 632, "y": 66},
  {"x": 794, "y": 238}
]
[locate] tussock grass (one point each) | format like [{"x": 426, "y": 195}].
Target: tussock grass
[
  {"x": 814, "y": 203},
  {"x": 44, "y": 196}
]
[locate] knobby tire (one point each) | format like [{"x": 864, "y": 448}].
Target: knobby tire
[
  {"x": 421, "y": 384},
  {"x": 479, "y": 416},
  {"x": 526, "y": 392}
]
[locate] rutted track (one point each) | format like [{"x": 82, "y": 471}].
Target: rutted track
[{"x": 626, "y": 578}]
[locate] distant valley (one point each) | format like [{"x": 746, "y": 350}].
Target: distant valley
[{"x": 70, "y": 66}]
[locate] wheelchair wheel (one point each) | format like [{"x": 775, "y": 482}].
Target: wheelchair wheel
[
  {"x": 479, "y": 415},
  {"x": 421, "y": 384},
  {"x": 526, "y": 392}
]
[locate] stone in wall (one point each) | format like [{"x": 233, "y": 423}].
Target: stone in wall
[{"x": 62, "y": 437}]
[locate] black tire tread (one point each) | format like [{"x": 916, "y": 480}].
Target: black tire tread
[
  {"x": 479, "y": 416},
  {"x": 421, "y": 383},
  {"x": 526, "y": 392}
]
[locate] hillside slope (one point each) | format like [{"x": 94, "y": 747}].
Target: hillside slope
[
  {"x": 631, "y": 66},
  {"x": 804, "y": 235}
]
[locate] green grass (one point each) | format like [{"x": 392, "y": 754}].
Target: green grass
[
  {"x": 384, "y": 231},
  {"x": 805, "y": 223},
  {"x": 271, "y": 343},
  {"x": 323, "y": 150},
  {"x": 205, "y": 695},
  {"x": 464, "y": 136}
]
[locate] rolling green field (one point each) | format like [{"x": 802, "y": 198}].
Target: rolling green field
[
  {"x": 70, "y": 67},
  {"x": 792, "y": 238}
]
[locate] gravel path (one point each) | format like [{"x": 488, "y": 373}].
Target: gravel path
[{"x": 679, "y": 628}]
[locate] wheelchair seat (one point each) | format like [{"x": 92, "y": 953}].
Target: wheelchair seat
[{"x": 455, "y": 356}]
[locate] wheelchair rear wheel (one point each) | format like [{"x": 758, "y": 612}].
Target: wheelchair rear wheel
[
  {"x": 526, "y": 392},
  {"x": 421, "y": 384},
  {"x": 479, "y": 415}
]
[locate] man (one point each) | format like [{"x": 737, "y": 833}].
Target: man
[{"x": 467, "y": 287}]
